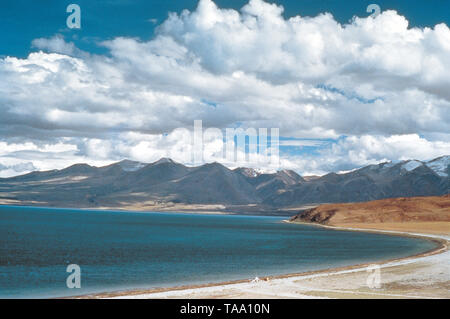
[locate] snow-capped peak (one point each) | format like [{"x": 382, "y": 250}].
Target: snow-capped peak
[
  {"x": 131, "y": 166},
  {"x": 163, "y": 160},
  {"x": 439, "y": 165},
  {"x": 388, "y": 164},
  {"x": 249, "y": 172},
  {"x": 411, "y": 165}
]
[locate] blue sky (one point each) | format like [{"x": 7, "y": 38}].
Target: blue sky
[
  {"x": 344, "y": 92},
  {"x": 21, "y": 21}
]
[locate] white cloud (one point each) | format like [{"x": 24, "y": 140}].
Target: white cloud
[
  {"x": 357, "y": 151},
  {"x": 16, "y": 169},
  {"x": 366, "y": 149},
  {"x": 55, "y": 44},
  {"x": 375, "y": 80}
]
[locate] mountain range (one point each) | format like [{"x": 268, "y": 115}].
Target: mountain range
[{"x": 166, "y": 183}]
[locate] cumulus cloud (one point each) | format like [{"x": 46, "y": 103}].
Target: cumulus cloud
[
  {"x": 16, "y": 169},
  {"x": 357, "y": 151},
  {"x": 375, "y": 85},
  {"x": 56, "y": 44}
]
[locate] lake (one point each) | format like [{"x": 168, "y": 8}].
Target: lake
[{"x": 126, "y": 250}]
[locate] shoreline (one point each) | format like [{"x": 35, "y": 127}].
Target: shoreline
[
  {"x": 443, "y": 243},
  {"x": 164, "y": 209}
]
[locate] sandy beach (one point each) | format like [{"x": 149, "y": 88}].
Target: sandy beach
[{"x": 421, "y": 276}]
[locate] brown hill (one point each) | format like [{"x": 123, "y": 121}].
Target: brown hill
[{"x": 422, "y": 214}]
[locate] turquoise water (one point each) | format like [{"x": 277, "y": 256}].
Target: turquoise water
[{"x": 125, "y": 250}]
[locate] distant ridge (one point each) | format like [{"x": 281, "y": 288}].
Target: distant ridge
[
  {"x": 166, "y": 182},
  {"x": 385, "y": 180}
]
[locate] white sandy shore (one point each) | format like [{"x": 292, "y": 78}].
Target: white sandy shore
[{"x": 423, "y": 276}]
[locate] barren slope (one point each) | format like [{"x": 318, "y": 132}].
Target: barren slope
[{"x": 427, "y": 214}]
